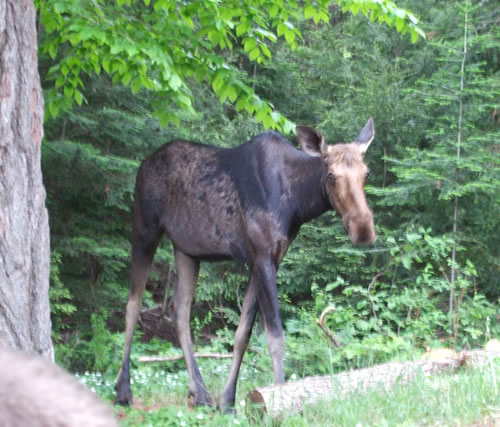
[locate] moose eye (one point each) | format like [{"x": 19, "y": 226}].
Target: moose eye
[{"x": 331, "y": 177}]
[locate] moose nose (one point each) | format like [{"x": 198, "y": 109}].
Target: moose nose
[{"x": 360, "y": 228}]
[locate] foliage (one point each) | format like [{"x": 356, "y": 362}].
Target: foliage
[
  {"x": 342, "y": 70},
  {"x": 60, "y": 297},
  {"x": 453, "y": 160},
  {"x": 464, "y": 397},
  {"x": 160, "y": 45},
  {"x": 101, "y": 344}
]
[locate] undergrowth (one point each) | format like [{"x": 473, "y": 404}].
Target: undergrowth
[{"x": 466, "y": 397}]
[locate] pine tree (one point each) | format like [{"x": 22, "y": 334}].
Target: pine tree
[{"x": 452, "y": 179}]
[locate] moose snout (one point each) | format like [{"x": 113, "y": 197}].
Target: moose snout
[{"x": 360, "y": 228}]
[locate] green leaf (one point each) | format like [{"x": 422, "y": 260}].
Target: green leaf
[
  {"x": 242, "y": 103},
  {"x": 406, "y": 261},
  {"x": 184, "y": 100},
  {"x": 78, "y": 97},
  {"x": 117, "y": 48},
  {"x": 400, "y": 24},
  {"x": 281, "y": 29},
  {"x": 249, "y": 44},
  {"x": 254, "y": 54},
  {"x": 68, "y": 91},
  {"x": 60, "y": 81},
  {"x": 232, "y": 94},
  {"x": 53, "y": 108},
  {"x": 414, "y": 36},
  {"x": 175, "y": 82},
  {"x": 309, "y": 12},
  {"x": 136, "y": 85},
  {"x": 290, "y": 36},
  {"x": 242, "y": 28},
  {"x": 52, "y": 50},
  {"x": 126, "y": 78},
  {"x": 273, "y": 11},
  {"x": 106, "y": 65}
]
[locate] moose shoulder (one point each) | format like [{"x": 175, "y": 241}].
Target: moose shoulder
[{"x": 246, "y": 203}]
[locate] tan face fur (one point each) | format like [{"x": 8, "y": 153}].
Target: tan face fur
[
  {"x": 344, "y": 179},
  {"x": 345, "y": 189}
]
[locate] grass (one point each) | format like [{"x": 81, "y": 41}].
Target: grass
[{"x": 464, "y": 398}]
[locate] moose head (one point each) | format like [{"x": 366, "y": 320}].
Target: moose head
[{"x": 344, "y": 178}]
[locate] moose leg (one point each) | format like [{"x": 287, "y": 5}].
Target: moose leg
[
  {"x": 142, "y": 256},
  {"x": 187, "y": 274},
  {"x": 241, "y": 339},
  {"x": 269, "y": 310}
]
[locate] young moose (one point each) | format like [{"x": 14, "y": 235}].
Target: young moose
[{"x": 246, "y": 203}]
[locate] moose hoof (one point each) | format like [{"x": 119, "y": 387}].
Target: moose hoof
[
  {"x": 226, "y": 403},
  {"x": 226, "y": 408},
  {"x": 123, "y": 396},
  {"x": 123, "y": 401},
  {"x": 200, "y": 399}
]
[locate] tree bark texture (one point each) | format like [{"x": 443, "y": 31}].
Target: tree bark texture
[{"x": 24, "y": 229}]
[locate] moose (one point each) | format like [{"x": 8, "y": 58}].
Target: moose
[{"x": 247, "y": 204}]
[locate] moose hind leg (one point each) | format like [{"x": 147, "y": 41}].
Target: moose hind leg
[
  {"x": 142, "y": 256},
  {"x": 187, "y": 275}
]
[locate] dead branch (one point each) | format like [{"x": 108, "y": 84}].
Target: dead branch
[
  {"x": 150, "y": 359},
  {"x": 370, "y": 288},
  {"x": 321, "y": 324}
]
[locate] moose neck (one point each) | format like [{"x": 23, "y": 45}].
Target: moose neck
[{"x": 308, "y": 192}]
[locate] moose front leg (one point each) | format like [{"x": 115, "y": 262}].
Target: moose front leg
[
  {"x": 269, "y": 310},
  {"x": 261, "y": 293}
]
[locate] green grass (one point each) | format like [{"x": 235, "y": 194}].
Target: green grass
[{"x": 466, "y": 397}]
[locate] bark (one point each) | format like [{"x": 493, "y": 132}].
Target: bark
[
  {"x": 291, "y": 397},
  {"x": 24, "y": 230},
  {"x": 37, "y": 393}
]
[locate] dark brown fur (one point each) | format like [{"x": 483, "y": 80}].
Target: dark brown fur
[{"x": 248, "y": 204}]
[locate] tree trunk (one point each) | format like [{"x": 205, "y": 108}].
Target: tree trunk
[{"x": 24, "y": 229}]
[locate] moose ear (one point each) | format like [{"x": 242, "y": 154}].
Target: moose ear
[
  {"x": 366, "y": 136},
  {"x": 311, "y": 141}
]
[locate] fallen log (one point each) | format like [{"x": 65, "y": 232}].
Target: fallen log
[
  {"x": 291, "y": 397},
  {"x": 150, "y": 359}
]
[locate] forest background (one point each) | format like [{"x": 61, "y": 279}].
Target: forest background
[{"x": 432, "y": 278}]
